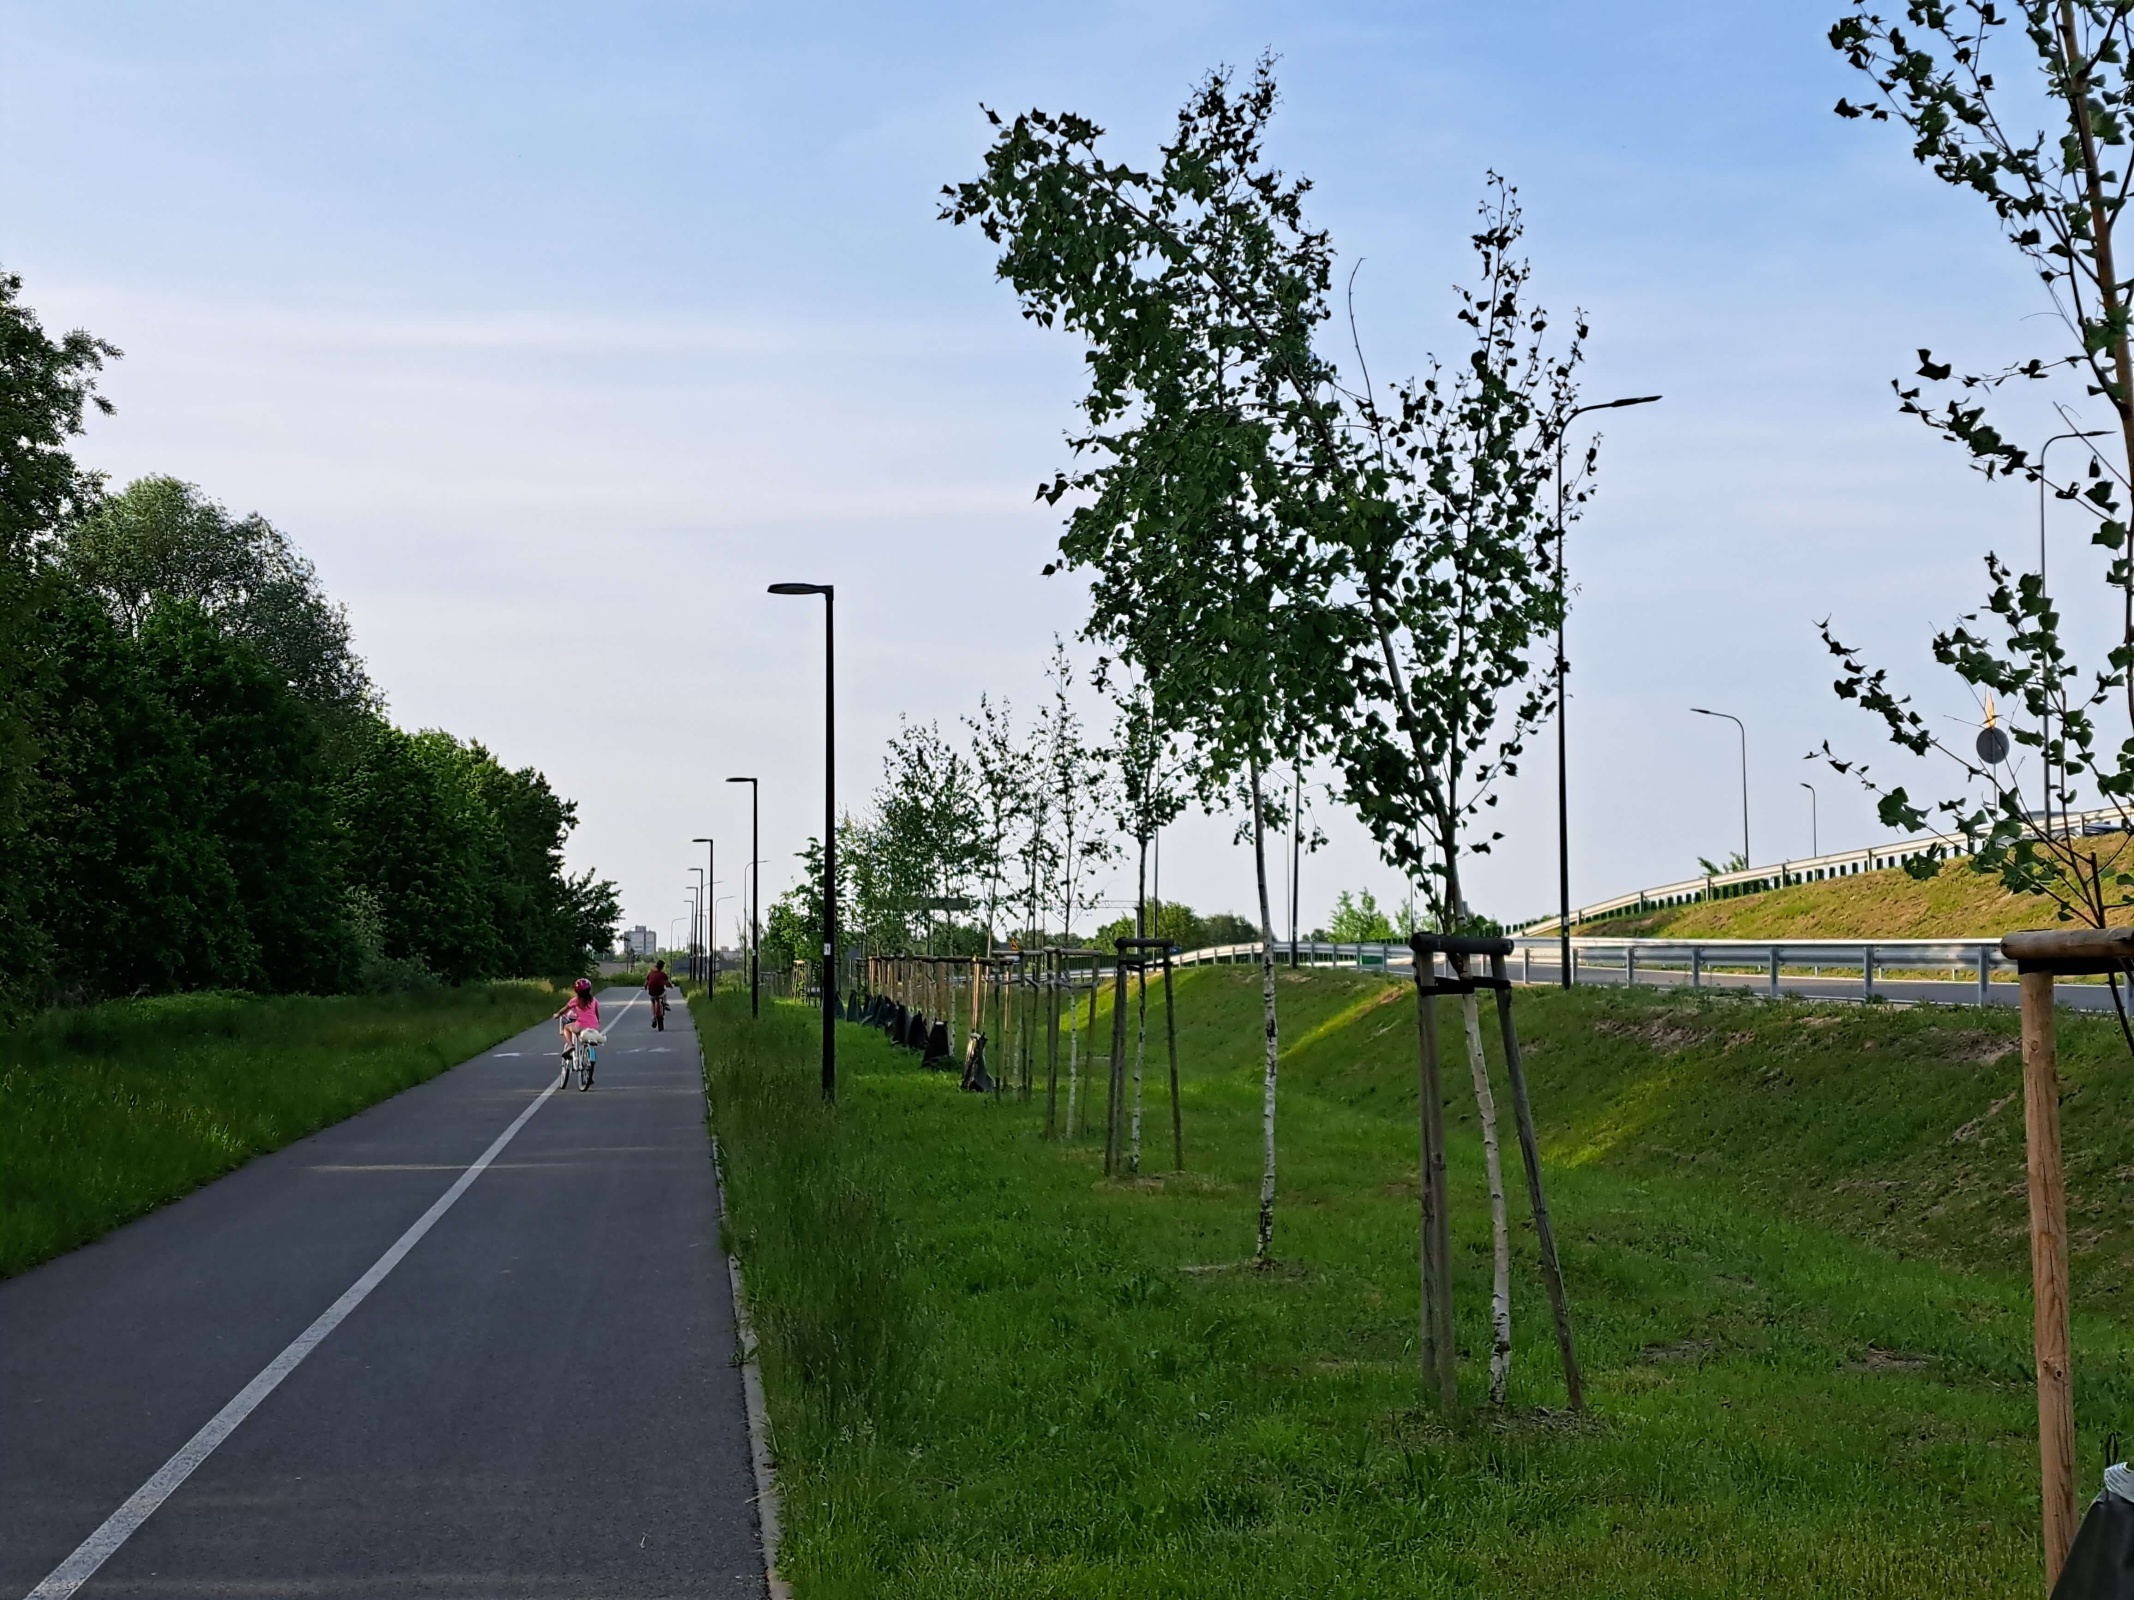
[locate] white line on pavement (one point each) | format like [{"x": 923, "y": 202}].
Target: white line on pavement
[{"x": 120, "y": 1526}]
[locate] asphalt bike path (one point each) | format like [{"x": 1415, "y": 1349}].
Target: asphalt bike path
[{"x": 536, "y": 1397}]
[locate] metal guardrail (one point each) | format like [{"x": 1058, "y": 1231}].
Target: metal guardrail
[
  {"x": 1825, "y": 968},
  {"x": 1811, "y": 869}
]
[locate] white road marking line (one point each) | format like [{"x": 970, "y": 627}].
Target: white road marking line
[{"x": 121, "y": 1525}]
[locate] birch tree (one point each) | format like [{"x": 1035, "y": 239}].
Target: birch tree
[
  {"x": 1003, "y": 769},
  {"x": 1457, "y": 577},
  {"x": 1196, "y": 288}
]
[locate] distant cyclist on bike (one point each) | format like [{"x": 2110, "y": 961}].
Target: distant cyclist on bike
[
  {"x": 580, "y": 1012},
  {"x": 657, "y": 983}
]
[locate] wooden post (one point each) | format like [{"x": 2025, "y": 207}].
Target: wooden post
[
  {"x": 1115, "y": 1079},
  {"x": 1170, "y": 1033},
  {"x": 2048, "y": 1270},
  {"x": 1439, "y": 1358},
  {"x": 1530, "y": 1152},
  {"x": 1052, "y": 1043}
]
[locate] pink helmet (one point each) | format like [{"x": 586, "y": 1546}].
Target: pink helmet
[{"x": 583, "y": 986}]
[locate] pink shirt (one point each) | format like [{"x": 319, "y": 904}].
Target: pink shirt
[{"x": 584, "y": 1013}]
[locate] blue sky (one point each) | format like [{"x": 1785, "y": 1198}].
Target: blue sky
[{"x": 552, "y": 333}]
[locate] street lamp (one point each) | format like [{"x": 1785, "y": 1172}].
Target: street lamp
[
  {"x": 1744, "y": 732},
  {"x": 1563, "y": 748},
  {"x": 711, "y": 873},
  {"x": 703, "y": 878},
  {"x": 2044, "y": 694},
  {"x": 829, "y": 824},
  {"x": 755, "y": 883},
  {"x": 1814, "y": 849}
]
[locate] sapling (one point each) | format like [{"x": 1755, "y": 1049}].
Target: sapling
[{"x": 1196, "y": 288}]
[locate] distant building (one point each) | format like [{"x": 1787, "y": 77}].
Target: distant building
[{"x": 640, "y": 941}]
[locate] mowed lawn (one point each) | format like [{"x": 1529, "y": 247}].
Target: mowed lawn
[
  {"x": 1794, "y": 1238},
  {"x": 109, "y": 1111}
]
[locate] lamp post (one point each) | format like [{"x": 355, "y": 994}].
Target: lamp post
[
  {"x": 829, "y": 824},
  {"x": 1744, "y": 732},
  {"x": 1814, "y": 847},
  {"x": 2045, "y": 721},
  {"x": 1563, "y": 745},
  {"x": 755, "y": 883},
  {"x": 711, "y": 873},
  {"x": 703, "y": 878}
]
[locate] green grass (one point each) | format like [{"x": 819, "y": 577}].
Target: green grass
[
  {"x": 1801, "y": 1302},
  {"x": 1956, "y": 903},
  {"x": 109, "y": 1111}
]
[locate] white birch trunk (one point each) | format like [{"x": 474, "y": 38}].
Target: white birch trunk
[
  {"x": 1500, "y": 1286},
  {"x": 1263, "y": 1251}
]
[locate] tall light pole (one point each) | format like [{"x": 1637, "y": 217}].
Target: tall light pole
[
  {"x": 703, "y": 878},
  {"x": 2045, "y": 721},
  {"x": 1815, "y": 847},
  {"x": 711, "y": 873},
  {"x": 829, "y": 824},
  {"x": 755, "y": 883},
  {"x": 1744, "y": 732},
  {"x": 1563, "y": 743}
]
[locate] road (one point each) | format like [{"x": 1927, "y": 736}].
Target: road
[
  {"x": 1916, "y": 991},
  {"x": 538, "y": 1398}
]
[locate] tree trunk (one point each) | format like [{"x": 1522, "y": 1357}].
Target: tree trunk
[
  {"x": 1263, "y": 1251},
  {"x": 1500, "y": 1286}
]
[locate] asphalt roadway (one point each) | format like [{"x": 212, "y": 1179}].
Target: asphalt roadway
[{"x": 537, "y": 1398}]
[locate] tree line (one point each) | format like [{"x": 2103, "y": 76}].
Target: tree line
[{"x": 199, "y": 785}]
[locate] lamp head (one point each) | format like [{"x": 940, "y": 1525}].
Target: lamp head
[
  {"x": 1634, "y": 400},
  {"x": 740, "y": 780},
  {"x": 800, "y": 588}
]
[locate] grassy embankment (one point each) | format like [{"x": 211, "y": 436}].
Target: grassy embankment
[
  {"x": 1956, "y": 903},
  {"x": 1795, "y": 1240},
  {"x": 112, "y": 1110}
]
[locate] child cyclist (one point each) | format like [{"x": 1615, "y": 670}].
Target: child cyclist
[
  {"x": 657, "y": 983},
  {"x": 580, "y": 1012}
]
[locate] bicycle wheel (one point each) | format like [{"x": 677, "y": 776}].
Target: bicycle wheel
[{"x": 583, "y": 1060}]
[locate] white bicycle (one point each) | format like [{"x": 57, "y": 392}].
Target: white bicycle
[{"x": 584, "y": 1056}]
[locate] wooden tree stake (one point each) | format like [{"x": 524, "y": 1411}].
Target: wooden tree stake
[
  {"x": 1170, "y": 1033},
  {"x": 2048, "y": 1270},
  {"x": 1530, "y": 1152},
  {"x": 1115, "y": 1079}
]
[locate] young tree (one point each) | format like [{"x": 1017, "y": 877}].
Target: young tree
[
  {"x": 1357, "y": 920},
  {"x": 1080, "y": 794},
  {"x": 1196, "y": 288},
  {"x": 2059, "y": 202},
  {"x": 1003, "y": 770},
  {"x": 927, "y": 819},
  {"x": 1147, "y": 797},
  {"x": 1455, "y": 575}
]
